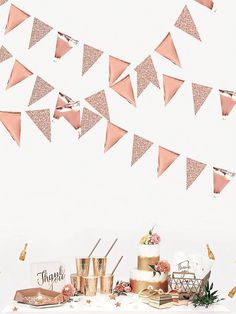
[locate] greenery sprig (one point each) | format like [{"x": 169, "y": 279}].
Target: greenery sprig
[{"x": 208, "y": 298}]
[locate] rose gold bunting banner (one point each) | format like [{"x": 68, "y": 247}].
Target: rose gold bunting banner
[
  {"x": 171, "y": 86},
  {"x": 228, "y": 101},
  {"x": 194, "y": 169},
  {"x": 124, "y": 89},
  {"x": 19, "y": 73},
  {"x": 4, "y": 54},
  {"x": 3, "y": 1},
  {"x": 64, "y": 44},
  {"x": 146, "y": 73},
  {"x": 116, "y": 68},
  {"x": 39, "y": 30},
  {"x": 90, "y": 56},
  {"x": 99, "y": 102},
  {"x": 186, "y": 23},
  {"x": 41, "y": 89},
  {"x": 12, "y": 122},
  {"x": 140, "y": 147},
  {"x": 207, "y": 3},
  {"x": 15, "y": 18},
  {"x": 89, "y": 120},
  {"x": 167, "y": 49},
  {"x": 200, "y": 94},
  {"x": 113, "y": 135},
  {"x": 221, "y": 179},
  {"x": 68, "y": 109},
  {"x": 165, "y": 158},
  {"x": 41, "y": 119}
]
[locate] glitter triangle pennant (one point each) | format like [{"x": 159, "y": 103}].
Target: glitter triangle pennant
[
  {"x": 41, "y": 119},
  {"x": 19, "y": 73},
  {"x": 12, "y": 122},
  {"x": 39, "y": 30},
  {"x": 186, "y": 23},
  {"x": 146, "y": 73},
  {"x": 207, "y": 3},
  {"x": 90, "y": 56},
  {"x": 64, "y": 44},
  {"x": 200, "y": 94},
  {"x": 89, "y": 120},
  {"x": 171, "y": 86},
  {"x": 116, "y": 68},
  {"x": 140, "y": 147},
  {"x": 41, "y": 89},
  {"x": 15, "y": 18},
  {"x": 167, "y": 49},
  {"x": 165, "y": 158},
  {"x": 99, "y": 102},
  {"x": 4, "y": 54},
  {"x": 194, "y": 169},
  {"x": 124, "y": 89},
  {"x": 221, "y": 178},
  {"x": 228, "y": 101},
  {"x": 113, "y": 135}
]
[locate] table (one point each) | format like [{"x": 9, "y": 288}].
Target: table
[{"x": 103, "y": 304}]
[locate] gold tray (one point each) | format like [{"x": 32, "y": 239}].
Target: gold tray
[{"x": 38, "y": 297}]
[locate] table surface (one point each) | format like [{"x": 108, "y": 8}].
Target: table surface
[{"x": 102, "y": 303}]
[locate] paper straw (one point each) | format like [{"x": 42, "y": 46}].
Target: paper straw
[
  {"x": 94, "y": 247},
  {"x": 116, "y": 265},
  {"x": 111, "y": 247}
]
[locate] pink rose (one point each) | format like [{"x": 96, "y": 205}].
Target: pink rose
[
  {"x": 127, "y": 289},
  {"x": 162, "y": 266},
  {"x": 68, "y": 291},
  {"x": 155, "y": 238}
]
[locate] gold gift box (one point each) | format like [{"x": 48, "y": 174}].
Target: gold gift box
[{"x": 160, "y": 301}]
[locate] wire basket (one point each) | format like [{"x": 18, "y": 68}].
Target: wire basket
[{"x": 187, "y": 283}]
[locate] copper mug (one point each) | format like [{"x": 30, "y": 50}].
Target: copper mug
[
  {"x": 88, "y": 285},
  {"x": 82, "y": 266},
  {"x": 106, "y": 284},
  {"x": 99, "y": 266}
]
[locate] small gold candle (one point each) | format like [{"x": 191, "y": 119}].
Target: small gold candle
[{"x": 106, "y": 284}]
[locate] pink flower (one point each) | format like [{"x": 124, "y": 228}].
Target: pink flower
[
  {"x": 127, "y": 289},
  {"x": 68, "y": 291},
  {"x": 155, "y": 238},
  {"x": 162, "y": 266}
]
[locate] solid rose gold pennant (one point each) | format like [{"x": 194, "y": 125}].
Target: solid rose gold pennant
[
  {"x": 15, "y": 18},
  {"x": 113, "y": 135},
  {"x": 221, "y": 178},
  {"x": 41, "y": 119},
  {"x": 165, "y": 158},
  {"x": 124, "y": 88},
  {"x": 200, "y": 94},
  {"x": 89, "y": 120},
  {"x": 99, "y": 102},
  {"x": 186, "y": 23},
  {"x": 167, "y": 49},
  {"x": 146, "y": 74},
  {"x": 12, "y": 122},
  {"x": 228, "y": 101},
  {"x": 171, "y": 86},
  {"x": 64, "y": 44},
  {"x": 90, "y": 56},
  {"x": 194, "y": 169},
  {"x": 41, "y": 89},
  {"x": 207, "y": 3},
  {"x": 4, "y": 54},
  {"x": 140, "y": 147},
  {"x": 39, "y": 30},
  {"x": 19, "y": 73},
  {"x": 116, "y": 68}
]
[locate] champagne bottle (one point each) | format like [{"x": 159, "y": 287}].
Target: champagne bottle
[{"x": 23, "y": 253}]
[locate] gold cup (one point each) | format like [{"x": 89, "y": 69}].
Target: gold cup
[
  {"x": 75, "y": 281},
  {"x": 82, "y": 266},
  {"x": 106, "y": 283},
  {"x": 88, "y": 285},
  {"x": 99, "y": 266}
]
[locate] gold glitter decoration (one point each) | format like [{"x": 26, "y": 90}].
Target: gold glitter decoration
[
  {"x": 186, "y": 23},
  {"x": 89, "y": 119},
  {"x": 41, "y": 118},
  {"x": 99, "y": 102},
  {"x": 39, "y": 30},
  {"x": 4, "y": 54},
  {"x": 41, "y": 89},
  {"x": 200, "y": 94},
  {"x": 194, "y": 169},
  {"x": 140, "y": 146},
  {"x": 90, "y": 56},
  {"x": 232, "y": 292},
  {"x": 3, "y": 1},
  {"x": 167, "y": 49},
  {"x": 210, "y": 253},
  {"x": 146, "y": 73}
]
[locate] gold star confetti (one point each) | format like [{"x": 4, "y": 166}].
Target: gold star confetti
[
  {"x": 210, "y": 254},
  {"x": 88, "y": 301},
  {"x": 117, "y": 304},
  {"x": 23, "y": 253},
  {"x": 232, "y": 292}
]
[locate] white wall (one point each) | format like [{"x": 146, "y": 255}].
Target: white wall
[{"x": 61, "y": 196}]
